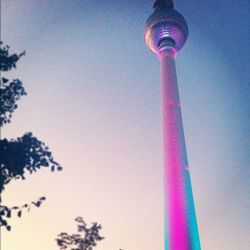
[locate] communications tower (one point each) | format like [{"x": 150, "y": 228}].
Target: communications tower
[{"x": 166, "y": 32}]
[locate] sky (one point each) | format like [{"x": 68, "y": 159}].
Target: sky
[{"x": 94, "y": 99}]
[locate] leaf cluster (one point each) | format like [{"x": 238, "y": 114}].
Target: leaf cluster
[
  {"x": 10, "y": 90},
  {"x": 24, "y": 155},
  {"x": 10, "y": 93},
  {"x": 85, "y": 239},
  {"x": 7, "y": 60},
  {"x": 6, "y": 212}
]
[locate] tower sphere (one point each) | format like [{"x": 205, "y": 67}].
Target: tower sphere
[{"x": 165, "y": 24}]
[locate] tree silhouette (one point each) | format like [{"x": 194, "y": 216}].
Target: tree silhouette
[
  {"x": 25, "y": 154},
  {"x": 86, "y": 238}
]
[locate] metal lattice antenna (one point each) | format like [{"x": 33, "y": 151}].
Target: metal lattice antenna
[{"x": 160, "y": 4}]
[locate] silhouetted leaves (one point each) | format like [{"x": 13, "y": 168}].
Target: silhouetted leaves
[
  {"x": 7, "y": 212},
  {"x": 7, "y": 61},
  {"x": 10, "y": 93},
  {"x": 86, "y": 238},
  {"x": 24, "y": 155},
  {"x": 10, "y": 90}
]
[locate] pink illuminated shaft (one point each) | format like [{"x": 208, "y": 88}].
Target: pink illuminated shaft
[{"x": 175, "y": 159}]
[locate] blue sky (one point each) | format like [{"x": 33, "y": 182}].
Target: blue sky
[{"x": 94, "y": 98}]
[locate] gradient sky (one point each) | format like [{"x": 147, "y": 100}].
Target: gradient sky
[{"x": 94, "y": 99}]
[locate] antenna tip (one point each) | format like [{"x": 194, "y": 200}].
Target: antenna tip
[{"x": 160, "y": 4}]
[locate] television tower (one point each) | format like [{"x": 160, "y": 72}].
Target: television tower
[{"x": 166, "y": 32}]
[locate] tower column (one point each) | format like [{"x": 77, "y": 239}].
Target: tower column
[
  {"x": 175, "y": 157},
  {"x": 173, "y": 152},
  {"x": 165, "y": 33}
]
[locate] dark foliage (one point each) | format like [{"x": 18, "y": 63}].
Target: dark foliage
[
  {"x": 10, "y": 93},
  {"x": 86, "y": 238},
  {"x": 7, "y": 61},
  {"x": 10, "y": 90},
  {"x": 7, "y": 212},
  {"x": 24, "y": 155}
]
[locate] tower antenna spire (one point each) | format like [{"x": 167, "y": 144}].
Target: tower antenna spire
[{"x": 160, "y": 4}]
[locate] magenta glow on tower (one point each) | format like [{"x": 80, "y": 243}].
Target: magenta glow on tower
[{"x": 166, "y": 32}]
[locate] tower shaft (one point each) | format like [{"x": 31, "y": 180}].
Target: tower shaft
[
  {"x": 181, "y": 232},
  {"x": 165, "y": 33}
]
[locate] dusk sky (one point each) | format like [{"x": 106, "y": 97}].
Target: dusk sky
[{"x": 94, "y": 98}]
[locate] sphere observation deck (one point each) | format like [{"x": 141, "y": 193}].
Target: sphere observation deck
[{"x": 165, "y": 25}]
